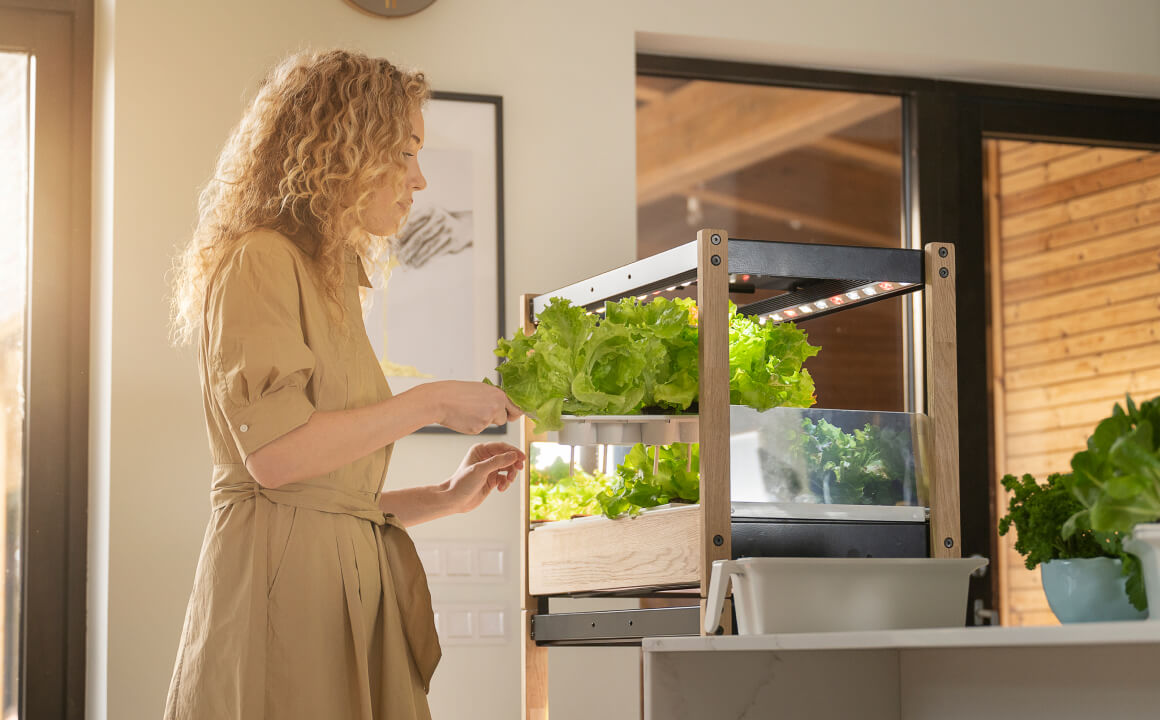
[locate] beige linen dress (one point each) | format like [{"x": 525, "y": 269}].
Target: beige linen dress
[{"x": 308, "y": 602}]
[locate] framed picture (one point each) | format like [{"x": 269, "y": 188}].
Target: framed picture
[{"x": 436, "y": 309}]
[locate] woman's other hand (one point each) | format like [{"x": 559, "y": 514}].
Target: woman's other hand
[
  {"x": 470, "y": 407},
  {"x": 486, "y": 467}
]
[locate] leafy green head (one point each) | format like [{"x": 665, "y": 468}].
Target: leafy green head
[
  {"x": 1117, "y": 478},
  {"x": 1038, "y": 513}
]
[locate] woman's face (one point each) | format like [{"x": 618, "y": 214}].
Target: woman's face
[{"x": 387, "y": 210}]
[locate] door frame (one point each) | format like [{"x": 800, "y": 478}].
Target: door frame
[{"x": 988, "y": 113}]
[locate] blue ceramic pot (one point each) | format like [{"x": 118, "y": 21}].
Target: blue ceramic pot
[{"x": 1087, "y": 590}]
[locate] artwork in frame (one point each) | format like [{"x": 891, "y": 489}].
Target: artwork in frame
[{"x": 436, "y": 309}]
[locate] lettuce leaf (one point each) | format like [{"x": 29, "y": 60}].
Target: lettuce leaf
[
  {"x": 765, "y": 364},
  {"x": 558, "y": 493},
  {"x": 565, "y": 497},
  {"x": 636, "y": 485},
  {"x": 540, "y": 369},
  {"x": 645, "y": 356},
  {"x": 1117, "y": 480},
  {"x": 608, "y": 381},
  {"x": 665, "y": 332}
]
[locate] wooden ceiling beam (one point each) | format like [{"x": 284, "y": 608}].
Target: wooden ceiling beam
[
  {"x": 859, "y": 235},
  {"x": 646, "y": 94},
  {"x": 704, "y": 130},
  {"x": 874, "y": 157}
]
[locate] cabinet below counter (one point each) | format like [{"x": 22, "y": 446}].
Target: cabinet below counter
[{"x": 1106, "y": 670}]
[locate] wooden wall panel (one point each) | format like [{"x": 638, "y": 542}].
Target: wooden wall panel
[
  {"x": 1059, "y": 236},
  {"x": 1076, "y": 322}
]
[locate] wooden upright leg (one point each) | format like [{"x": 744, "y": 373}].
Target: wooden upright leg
[
  {"x": 943, "y": 398},
  {"x": 533, "y": 659},
  {"x": 535, "y": 674},
  {"x": 713, "y": 321}
]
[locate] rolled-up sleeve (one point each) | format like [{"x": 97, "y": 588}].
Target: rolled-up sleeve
[{"x": 260, "y": 363}]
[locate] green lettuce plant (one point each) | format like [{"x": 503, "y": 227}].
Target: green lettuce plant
[
  {"x": 1117, "y": 480},
  {"x": 558, "y": 492},
  {"x": 636, "y": 485},
  {"x": 644, "y": 356},
  {"x": 765, "y": 364},
  {"x": 870, "y": 466},
  {"x": 560, "y": 498}
]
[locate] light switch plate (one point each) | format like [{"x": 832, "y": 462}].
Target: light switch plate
[
  {"x": 458, "y": 623},
  {"x": 463, "y": 561},
  {"x": 471, "y": 624},
  {"x": 459, "y": 561},
  {"x": 491, "y": 562},
  {"x": 491, "y": 623},
  {"x": 432, "y": 558}
]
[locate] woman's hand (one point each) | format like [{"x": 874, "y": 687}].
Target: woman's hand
[
  {"x": 469, "y": 407},
  {"x": 486, "y": 467}
]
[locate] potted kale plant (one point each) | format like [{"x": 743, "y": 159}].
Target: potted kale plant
[
  {"x": 1082, "y": 572},
  {"x": 1117, "y": 482}
]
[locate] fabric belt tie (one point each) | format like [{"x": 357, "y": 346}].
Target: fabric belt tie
[{"x": 398, "y": 558}]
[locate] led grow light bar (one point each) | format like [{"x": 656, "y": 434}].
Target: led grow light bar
[
  {"x": 803, "y": 311},
  {"x": 793, "y": 307},
  {"x": 814, "y": 279}
]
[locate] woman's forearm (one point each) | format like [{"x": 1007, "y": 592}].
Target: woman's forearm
[
  {"x": 416, "y": 505},
  {"x": 330, "y": 440}
]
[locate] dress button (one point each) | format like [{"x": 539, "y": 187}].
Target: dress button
[{"x": 244, "y": 428}]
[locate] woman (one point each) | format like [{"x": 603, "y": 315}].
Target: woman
[{"x": 309, "y": 600}]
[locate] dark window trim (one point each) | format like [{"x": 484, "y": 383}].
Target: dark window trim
[
  {"x": 948, "y": 121},
  {"x": 75, "y": 661},
  {"x": 53, "y": 636}
]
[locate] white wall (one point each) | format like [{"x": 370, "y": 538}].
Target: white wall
[{"x": 171, "y": 78}]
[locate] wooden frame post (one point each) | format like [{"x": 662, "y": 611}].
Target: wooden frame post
[
  {"x": 942, "y": 397},
  {"x": 713, "y": 354},
  {"x": 533, "y": 658}
]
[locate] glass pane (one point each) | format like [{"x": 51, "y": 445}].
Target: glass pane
[
  {"x": 790, "y": 456},
  {"x": 1074, "y": 257},
  {"x": 14, "y": 165},
  {"x": 775, "y": 163}
]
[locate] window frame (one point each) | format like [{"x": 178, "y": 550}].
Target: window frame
[
  {"x": 55, "y": 513},
  {"x": 944, "y": 126}
]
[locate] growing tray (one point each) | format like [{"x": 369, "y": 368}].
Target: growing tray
[{"x": 626, "y": 430}]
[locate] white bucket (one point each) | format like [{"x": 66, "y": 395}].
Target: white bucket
[{"x": 786, "y": 595}]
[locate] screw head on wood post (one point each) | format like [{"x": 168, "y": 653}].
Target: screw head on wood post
[
  {"x": 948, "y": 543},
  {"x": 943, "y": 272},
  {"x": 715, "y": 239},
  {"x": 716, "y": 259},
  {"x": 718, "y": 540},
  {"x": 942, "y": 252}
]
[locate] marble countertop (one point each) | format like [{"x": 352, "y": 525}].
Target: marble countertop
[{"x": 1111, "y": 633}]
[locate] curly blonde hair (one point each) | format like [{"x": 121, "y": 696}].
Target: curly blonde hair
[{"x": 326, "y": 129}]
